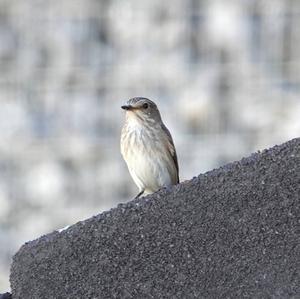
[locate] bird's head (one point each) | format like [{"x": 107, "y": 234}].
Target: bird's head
[{"x": 141, "y": 109}]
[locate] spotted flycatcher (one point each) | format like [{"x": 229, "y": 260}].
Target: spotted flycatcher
[{"x": 147, "y": 147}]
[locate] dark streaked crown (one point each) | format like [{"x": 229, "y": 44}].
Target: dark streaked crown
[{"x": 136, "y": 100}]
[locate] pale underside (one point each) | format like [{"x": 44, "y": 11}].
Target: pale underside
[{"x": 148, "y": 156}]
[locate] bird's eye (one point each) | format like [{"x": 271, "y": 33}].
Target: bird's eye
[{"x": 145, "y": 106}]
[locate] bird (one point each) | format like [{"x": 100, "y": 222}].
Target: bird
[{"x": 147, "y": 147}]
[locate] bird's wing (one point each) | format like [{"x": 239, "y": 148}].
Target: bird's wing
[{"x": 171, "y": 149}]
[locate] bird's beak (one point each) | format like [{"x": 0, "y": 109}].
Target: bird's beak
[{"x": 126, "y": 107}]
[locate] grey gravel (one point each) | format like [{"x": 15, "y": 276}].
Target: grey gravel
[{"x": 230, "y": 233}]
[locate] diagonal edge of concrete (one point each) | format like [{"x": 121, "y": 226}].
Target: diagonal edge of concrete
[{"x": 228, "y": 233}]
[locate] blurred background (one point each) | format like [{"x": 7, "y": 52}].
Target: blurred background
[{"x": 225, "y": 74}]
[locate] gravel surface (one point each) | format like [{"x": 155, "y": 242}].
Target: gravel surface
[{"x": 229, "y": 233}]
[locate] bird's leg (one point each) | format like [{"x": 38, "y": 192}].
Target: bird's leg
[{"x": 139, "y": 194}]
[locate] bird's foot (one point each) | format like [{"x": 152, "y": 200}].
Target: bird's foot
[{"x": 139, "y": 194}]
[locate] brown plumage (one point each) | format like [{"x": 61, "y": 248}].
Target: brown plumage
[{"x": 147, "y": 147}]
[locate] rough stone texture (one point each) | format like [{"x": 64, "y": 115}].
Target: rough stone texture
[
  {"x": 225, "y": 75},
  {"x": 230, "y": 233}
]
